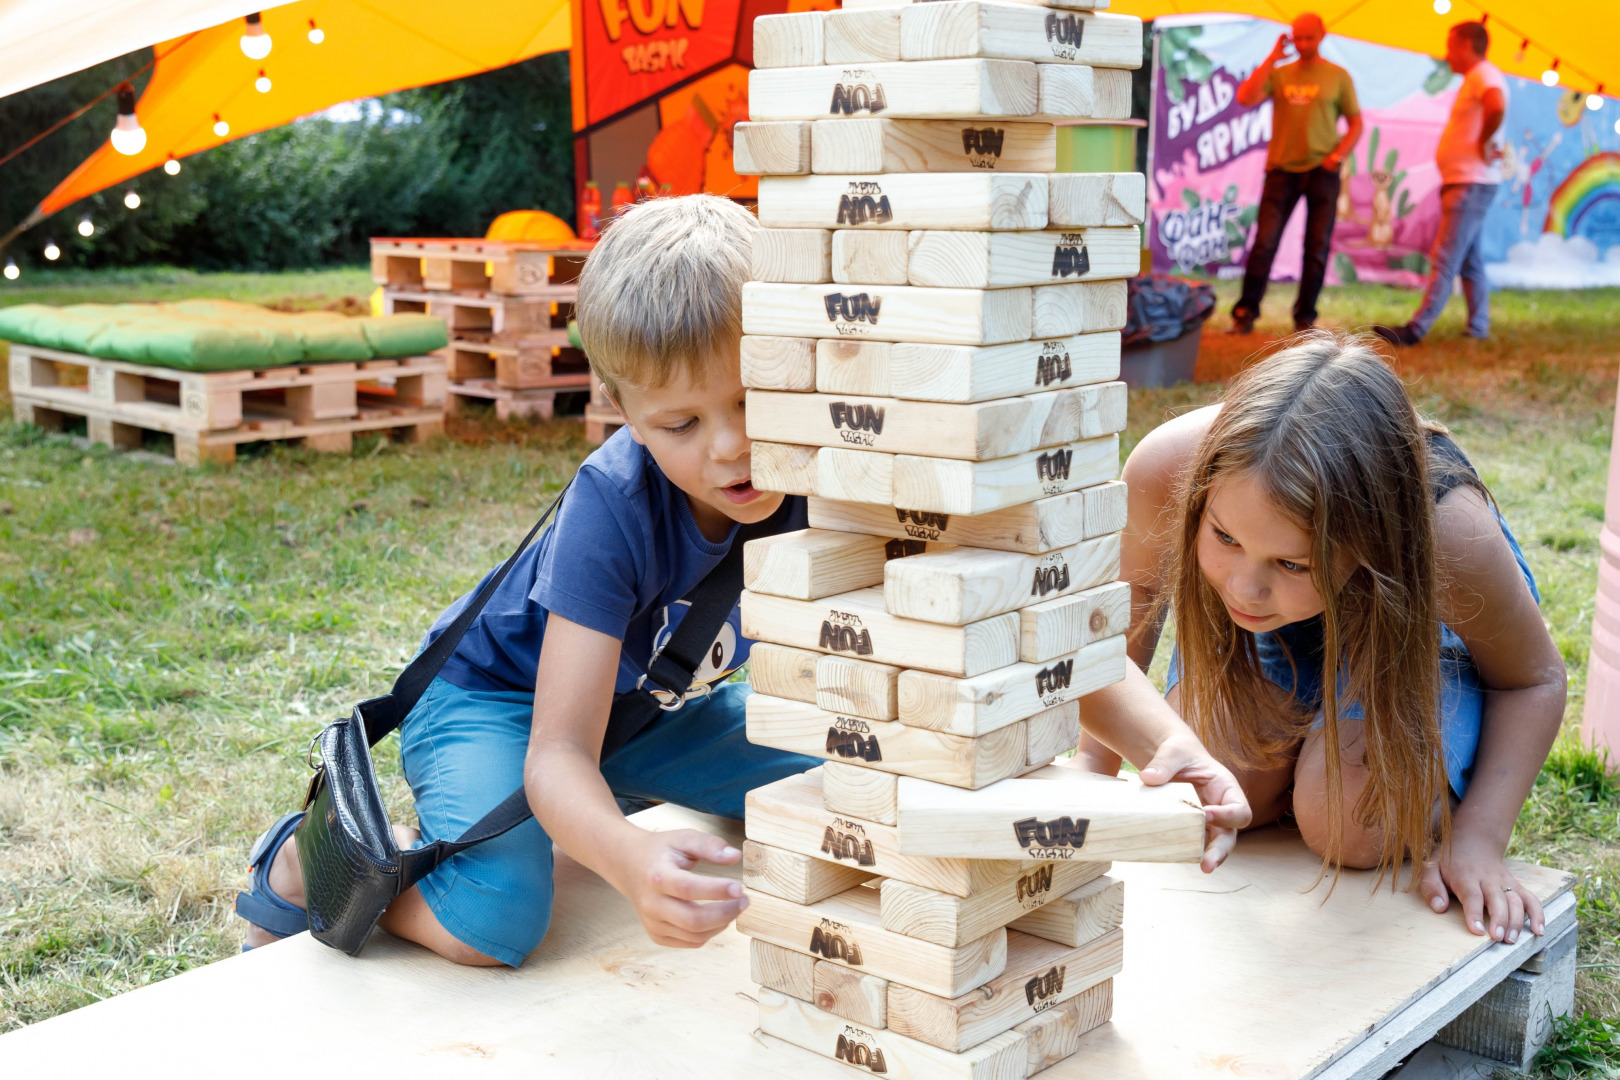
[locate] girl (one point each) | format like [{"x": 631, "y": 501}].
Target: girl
[{"x": 1313, "y": 523}]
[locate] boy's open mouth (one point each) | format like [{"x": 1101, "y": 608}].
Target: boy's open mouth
[{"x": 742, "y": 491}]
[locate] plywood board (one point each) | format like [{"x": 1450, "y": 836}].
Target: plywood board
[
  {"x": 978, "y": 487},
  {"x": 1033, "y": 527},
  {"x": 1083, "y": 915},
  {"x": 1079, "y": 307},
  {"x": 888, "y": 313},
  {"x": 1072, "y": 622},
  {"x": 1085, "y": 200},
  {"x": 951, "y": 920},
  {"x": 795, "y": 876},
  {"x": 807, "y": 564},
  {"x": 959, "y": 259},
  {"x": 869, "y": 256},
  {"x": 857, "y": 687},
  {"x": 794, "y": 40},
  {"x": 982, "y": 703},
  {"x": 877, "y": 145},
  {"x": 863, "y": 37},
  {"x": 964, "y": 585},
  {"x": 800, "y": 256},
  {"x": 778, "y": 363},
  {"x": 963, "y": 28},
  {"x": 941, "y": 89},
  {"x": 779, "y": 147},
  {"x": 998, "y": 200}
]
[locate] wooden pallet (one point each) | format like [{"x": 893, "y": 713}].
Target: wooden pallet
[
  {"x": 514, "y": 268},
  {"x": 509, "y": 402},
  {"x": 484, "y": 316},
  {"x": 528, "y": 362}
]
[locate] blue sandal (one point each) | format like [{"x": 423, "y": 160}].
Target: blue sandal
[{"x": 260, "y": 905}]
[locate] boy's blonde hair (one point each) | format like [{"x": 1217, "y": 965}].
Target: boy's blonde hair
[{"x": 662, "y": 292}]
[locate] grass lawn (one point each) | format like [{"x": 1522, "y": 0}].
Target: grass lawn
[{"x": 171, "y": 638}]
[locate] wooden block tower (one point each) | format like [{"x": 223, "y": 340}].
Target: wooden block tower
[{"x": 932, "y": 353}]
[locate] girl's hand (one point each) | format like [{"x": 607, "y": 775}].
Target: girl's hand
[
  {"x": 1226, "y": 808},
  {"x": 1474, "y": 869}
]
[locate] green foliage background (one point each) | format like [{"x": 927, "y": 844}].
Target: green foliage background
[{"x": 434, "y": 161}]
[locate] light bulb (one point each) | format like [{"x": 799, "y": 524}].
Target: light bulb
[
  {"x": 172, "y": 167},
  {"x": 316, "y": 34},
  {"x": 86, "y": 228},
  {"x": 12, "y": 273},
  {"x": 132, "y": 200},
  {"x": 1617, "y": 127},
  {"x": 1442, "y": 7},
  {"x": 52, "y": 252},
  {"x": 1549, "y": 77},
  {"x": 255, "y": 42},
  {"x": 1594, "y": 102},
  {"x": 221, "y": 128},
  {"x": 262, "y": 83},
  {"x": 128, "y": 137}
]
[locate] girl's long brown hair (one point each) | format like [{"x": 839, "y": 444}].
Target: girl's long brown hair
[{"x": 1328, "y": 431}]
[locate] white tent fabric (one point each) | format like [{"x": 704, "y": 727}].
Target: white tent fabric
[{"x": 41, "y": 40}]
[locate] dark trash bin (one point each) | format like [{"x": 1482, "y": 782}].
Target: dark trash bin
[{"x": 1164, "y": 320}]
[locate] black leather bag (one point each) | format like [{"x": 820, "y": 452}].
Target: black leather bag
[{"x": 352, "y": 867}]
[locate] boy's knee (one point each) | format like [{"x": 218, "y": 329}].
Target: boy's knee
[{"x": 459, "y": 952}]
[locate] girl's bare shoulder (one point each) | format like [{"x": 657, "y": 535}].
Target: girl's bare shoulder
[{"x": 1164, "y": 453}]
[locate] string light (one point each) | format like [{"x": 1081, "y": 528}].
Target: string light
[
  {"x": 1550, "y": 76},
  {"x": 221, "y": 128},
  {"x": 52, "y": 252},
  {"x": 255, "y": 42},
  {"x": 1594, "y": 102},
  {"x": 262, "y": 83},
  {"x": 1523, "y": 45},
  {"x": 86, "y": 227},
  {"x": 316, "y": 34},
  {"x": 172, "y": 167},
  {"x": 1442, "y": 7},
  {"x": 12, "y": 273},
  {"x": 132, "y": 200},
  {"x": 128, "y": 137}
]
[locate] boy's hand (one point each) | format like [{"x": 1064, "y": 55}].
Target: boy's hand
[
  {"x": 679, "y": 908},
  {"x": 1494, "y": 904},
  {"x": 1226, "y": 808}
]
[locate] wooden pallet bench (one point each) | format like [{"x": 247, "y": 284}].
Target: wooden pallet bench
[
  {"x": 478, "y": 316},
  {"x": 466, "y": 395},
  {"x": 512, "y": 267}
]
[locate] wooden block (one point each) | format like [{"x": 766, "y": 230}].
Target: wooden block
[
  {"x": 1055, "y": 1034},
  {"x": 1033, "y": 527},
  {"x": 794, "y": 40},
  {"x": 946, "y": 89},
  {"x": 784, "y": 970},
  {"x": 1040, "y": 819},
  {"x": 1081, "y": 915},
  {"x": 791, "y": 469},
  {"x": 811, "y": 563},
  {"x": 978, "y": 487},
  {"x": 983, "y": 703},
  {"x": 850, "y": 994},
  {"x": 886, "y": 745},
  {"x": 864, "y": 257},
  {"x": 969, "y": 28},
  {"x": 1086, "y": 200},
  {"x": 883, "y": 1052},
  {"x": 858, "y": 367},
  {"x": 1039, "y": 975},
  {"x": 780, "y": 147},
  {"x": 858, "y": 792},
  {"x": 863, "y": 37},
  {"x": 795, "y": 876},
  {"x": 996, "y": 260},
  {"x": 1002, "y": 200},
  {"x": 967, "y": 432},
  {"x": 1080, "y": 307},
  {"x": 964, "y": 585},
  {"x": 1066, "y": 93},
  {"x": 792, "y": 255},
  {"x": 964, "y": 373},
  {"x": 1071, "y": 622},
  {"x": 791, "y": 814},
  {"x": 944, "y": 919},
  {"x": 856, "y": 624},
  {"x": 783, "y": 672},
  {"x": 848, "y": 929},
  {"x": 831, "y": 472},
  {"x": 779, "y": 363},
  {"x": 1050, "y": 733},
  {"x": 847, "y": 685},
  {"x": 888, "y": 313},
  {"x": 877, "y": 145}
]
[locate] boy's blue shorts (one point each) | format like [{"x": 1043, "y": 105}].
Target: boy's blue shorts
[
  {"x": 463, "y": 753},
  {"x": 1462, "y": 695}
]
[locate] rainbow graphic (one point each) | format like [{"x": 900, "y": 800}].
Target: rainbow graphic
[{"x": 1587, "y": 203}]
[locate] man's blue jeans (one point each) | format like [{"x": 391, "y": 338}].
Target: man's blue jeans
[{"x": 1457, "y": 250}]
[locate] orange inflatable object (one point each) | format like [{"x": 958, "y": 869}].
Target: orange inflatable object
[{"x": 529, "y": 225}]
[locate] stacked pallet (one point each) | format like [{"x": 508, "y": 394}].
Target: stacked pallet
[
  {"x": 932, "y": 353},
  {"x": 506, "y": 304}
]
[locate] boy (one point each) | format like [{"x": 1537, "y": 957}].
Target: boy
[{"x": 650, "y": 513}]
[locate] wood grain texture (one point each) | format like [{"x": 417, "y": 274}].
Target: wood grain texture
[
  {"x": 883, "y": 1052},
  {"x": 875, "y": 145},
  {"x": 982, "y": 703},
  {"x": 851, "y": 994},
  {"x": 1081, "y": 915},
  {"x": 832, "y": 473},
  {"x": 1066, "y": 93},
  {"x": 951, "y": 920},
  {"x": 847, "y": 929},
  {"x": 1071, "y": 622},
  {"x": 1079, "y": 307},
  {"x": 964, "y": 585},
  {"x": 960, "y": 259},
  {"x": 969, "y": 28},
  {"x": 886, "y": 745},
  {"x": 780, "y": 147},
  {"x": 793, "y": 470},
  {"x": 1001, "y": 200},
  {"x": 1055, "y": 1034},
  {"x": 888, "y": 313},
  {"x": 1041, "y": 819},
  {"x": 856, "y": 367},
  {"x": 1034, "y": 527},
  {"x": 863, "y": 37},
  {"x": 856, "y": 624},
  {"x": 1051, "y": 732},
  {"x": 1039, "y": 975},
  {"x": 808, "y": 564},
  {"x": 941, "y": 89},
  {"x": 796, "y": 40},
  {"x": 779, "y": 363},
  {"x": 800, "y": 256},
  {"x": 786, "y": 971},
  {"x": 869, "y": 256},
  {"x": 783, "y": 672},
  {"x": 1085, "y": 200},
  {"x": 860, "y": 793},
  {"x": 960, "y": 373},
  {"x": 978, "y": 487},
  {"x": 857, "y": 687},
  {"x": 795, "y": 876}
]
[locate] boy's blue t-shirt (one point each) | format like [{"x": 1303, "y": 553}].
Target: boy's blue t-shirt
[{"x": 621, "y": 553}]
